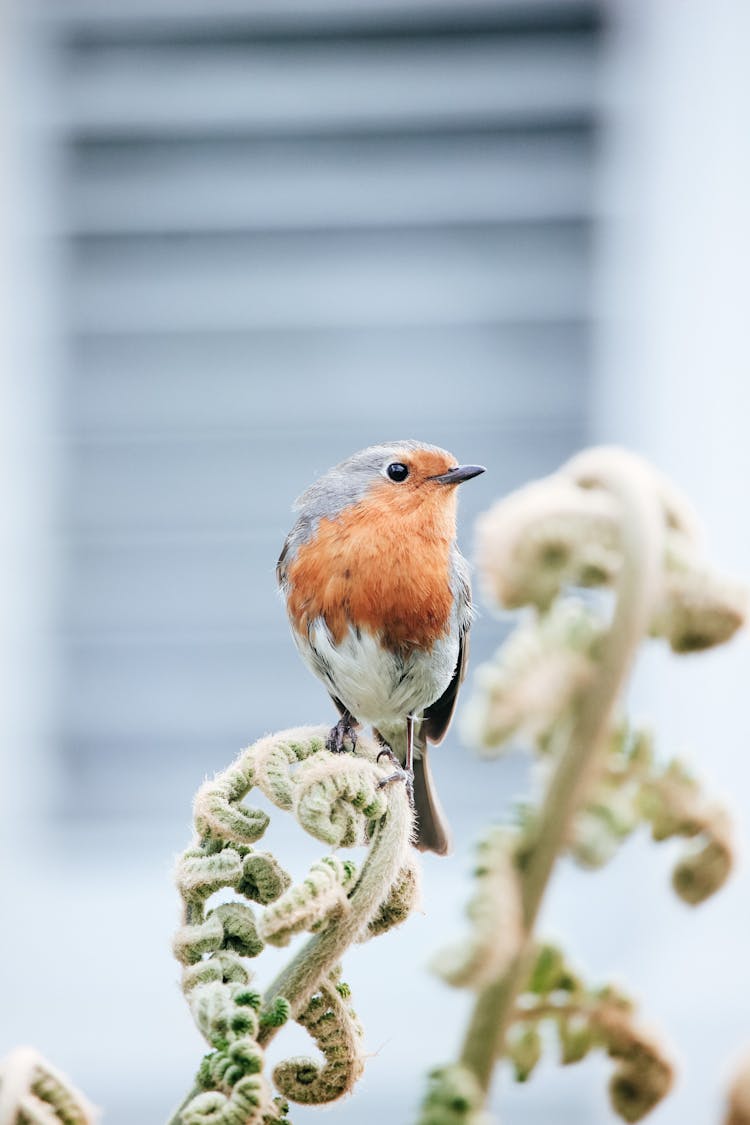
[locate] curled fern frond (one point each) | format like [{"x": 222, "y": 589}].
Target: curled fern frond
[
  {"x": 32, "y": 1092},
  {"x": 307, "y": 905},
  {"x": 403, "y": 897},
  {"x": 534, "y": 679},
  {"x": 566, "y": 531},
  {"x": 496, "y": 917},
  {"x": 454, "y": 1097},
  {"x": 337, "y": 1032},
  {"x": 633, "y": 788},
  {"x": 586, "y": 1020}
]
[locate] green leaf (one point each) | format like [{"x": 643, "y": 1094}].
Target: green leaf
[
  {"x": 525, "y": 1050},
  {"x": 577, "y": 1037},
  {"x": 546, "y": 971}
]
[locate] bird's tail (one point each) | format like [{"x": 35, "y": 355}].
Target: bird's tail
[{"x": 433, "y": 834}]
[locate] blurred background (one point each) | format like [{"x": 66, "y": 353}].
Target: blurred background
[{"x": 238, "y": 242}]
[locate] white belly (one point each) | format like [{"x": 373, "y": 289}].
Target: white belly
[{"x": 376, "y": 686}]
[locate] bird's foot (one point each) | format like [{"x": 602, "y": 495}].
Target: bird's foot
[
  {"x": 386, "y": 752},
  {"x": 399, "y": 773},
  {"x": 343, "y": 736}
]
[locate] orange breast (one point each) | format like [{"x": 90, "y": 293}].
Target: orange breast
[{"x": 382, "y": 565}]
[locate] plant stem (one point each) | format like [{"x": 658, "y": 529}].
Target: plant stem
[
  {"x": 299, "y": 980},
  {"x": 641, "y": 530},
  {"x": 176, "y": 1118}
]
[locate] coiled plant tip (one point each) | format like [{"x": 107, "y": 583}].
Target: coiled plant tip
[
  {"x": 32, "y": 1092},
  {"x": 454, "y": 1097}
]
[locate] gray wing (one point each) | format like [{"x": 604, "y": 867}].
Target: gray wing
[
  {"x": 437, "y": 717},
  {"x": 281, "y": 565}
]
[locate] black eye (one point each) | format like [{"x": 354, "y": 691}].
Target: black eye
[{"x": 397, "y": 471}]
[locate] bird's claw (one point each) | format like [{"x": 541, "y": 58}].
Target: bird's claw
[
  {"x": 343, "y": 732},
  {"x": 399, "y": 774}
]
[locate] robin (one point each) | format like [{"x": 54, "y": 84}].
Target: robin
[{"x": 379, "y": 601}]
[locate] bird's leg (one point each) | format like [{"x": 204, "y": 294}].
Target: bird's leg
[
  {"x": 344, "y": 731},
  {"x": 409, "y": 764},
  {"x": 403, "y": 773}
]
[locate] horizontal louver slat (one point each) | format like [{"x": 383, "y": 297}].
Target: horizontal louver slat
[
  {"x": 131, "y": 91},
  {"x": 122, "y": 385},
  {"x": 410, "y": 278},
  {"x": 308, "y": 185}
]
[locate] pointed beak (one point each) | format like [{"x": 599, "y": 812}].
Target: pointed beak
[{"x": 459, "y": 474}]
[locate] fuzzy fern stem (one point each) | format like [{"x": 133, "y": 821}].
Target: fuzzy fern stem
[{"x": 300, "y": 978}]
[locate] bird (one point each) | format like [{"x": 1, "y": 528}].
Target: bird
[{"x": 378, "y": 597}]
